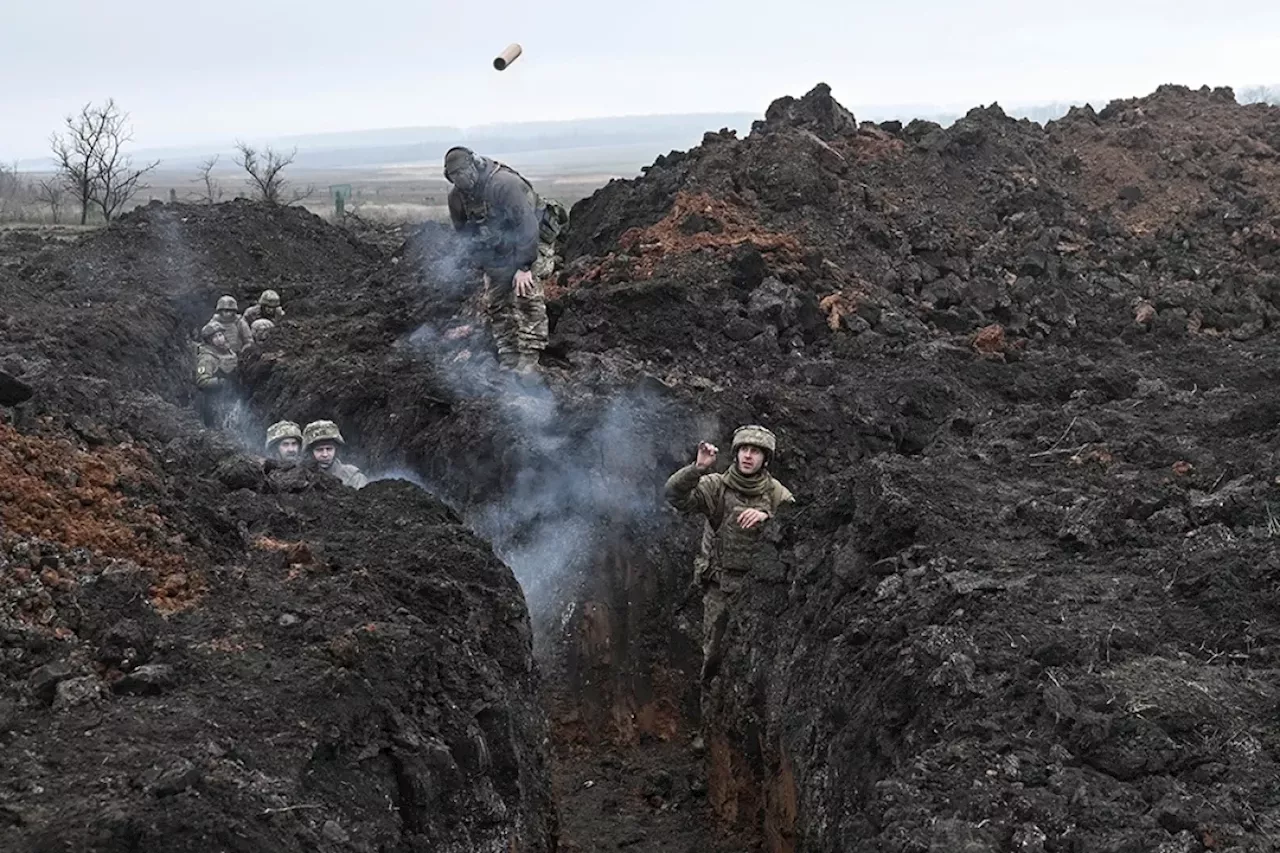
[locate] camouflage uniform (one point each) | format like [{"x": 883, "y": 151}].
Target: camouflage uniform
[
  {"x": 236, "y": 329},
  {"x": 511, "y": 231},
  {"x": 728, "y": 551},
  {"x": 216, "y": 378},
  {"x": 327, "y": 431},
  {"x": 266, "y": 308}
]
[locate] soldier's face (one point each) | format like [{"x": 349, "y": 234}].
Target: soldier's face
[
  {"x": 464, "y": 177},
  {"x": 226, "y": 315},
  {"x": 219, "y": 340},
  {"x": 324, "y": 453},
  {"x": 288, "y": 448},
  {"x": 750, "y": 459}
]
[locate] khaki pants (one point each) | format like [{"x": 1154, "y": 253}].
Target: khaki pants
[
  {"x": 519, "y": 323},
  {"x": 716, "y": 600}
]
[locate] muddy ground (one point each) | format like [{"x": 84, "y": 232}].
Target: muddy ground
[{"x": 1022, "y": 379}]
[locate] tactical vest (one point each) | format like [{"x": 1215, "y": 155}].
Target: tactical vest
[
  {"x": 728, "y": 551},
  {"x": 553, "y": 217}
]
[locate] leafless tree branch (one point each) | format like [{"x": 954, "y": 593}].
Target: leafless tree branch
[
  {"x": 265, "y": 178},
  {"x": 212, "y": 187},
  {"x": 91, "y": 162}
]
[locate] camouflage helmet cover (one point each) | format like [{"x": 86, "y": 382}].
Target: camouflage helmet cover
[
  {"x": 269, "y": 299},
  {"x": 317, "y": 431},
  {"x": 281, "y": 430},
  {"x": 756, "y": 435},
  {"x": 209, "y": 330},
  {"x": 227, "y": 303},
  {"x": 262, "y": 324}
]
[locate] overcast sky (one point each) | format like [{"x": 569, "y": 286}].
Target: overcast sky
[{"x": 266, "y": 68}]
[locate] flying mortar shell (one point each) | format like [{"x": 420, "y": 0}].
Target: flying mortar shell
[{"x": 508, "y": 56}]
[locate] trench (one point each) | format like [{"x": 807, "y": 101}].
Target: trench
[{"x": 616, "y": 629}]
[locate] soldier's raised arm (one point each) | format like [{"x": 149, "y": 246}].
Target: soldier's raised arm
[{"x": 690, "y": 489}]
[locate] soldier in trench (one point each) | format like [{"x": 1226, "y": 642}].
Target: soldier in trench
[
  {"x": 266, "y": 308},
  {"x": 284, "y": 441},
  {"x": 513, "y": 235},
  {"x": 226, "y": 316},
  {"x": 217, "y": 371},
  {"x": 740, "y": 508},
  {"x": 320, "y": 440}
]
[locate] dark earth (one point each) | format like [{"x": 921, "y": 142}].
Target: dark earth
[{"x": 1025, "y": 385}]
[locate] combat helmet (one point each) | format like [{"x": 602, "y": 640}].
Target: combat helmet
[
  {"x": 281, "y": 430},
  {"x": 318, "y": 431},
  {"x": 261, "y": 326},
  {"x": 269, "y": 299},
  {"x": 756, "y": 435},
  {"x": 227, "y": 303},
  {"x": 209, "y": 330}
]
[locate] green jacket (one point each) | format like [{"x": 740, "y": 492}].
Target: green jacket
[
  {"x": 727, "y": 549},
  {"x": 215, "y": 371}
]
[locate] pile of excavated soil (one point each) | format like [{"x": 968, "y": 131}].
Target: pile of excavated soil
[
  {"x": 1023, "y": 382},
  {"x": 200, "y": 651}
]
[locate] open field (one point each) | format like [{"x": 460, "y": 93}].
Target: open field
[{"x": 410, "y": 192}]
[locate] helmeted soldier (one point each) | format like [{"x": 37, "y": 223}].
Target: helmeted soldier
[
  {"x": 261, "y": 329},
  {"x": 227, "y": 316},
  {"x": 321, "y": 440},
  {"x": 513, "y": 233},
  {"x": 284, "y": 441},
  {"x": 740, "y": 507},
  {"x": 266, "y": 308},
  {"x": 217, "y": 371}
]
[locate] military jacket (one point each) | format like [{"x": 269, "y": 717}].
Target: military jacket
[
  {"x": 215, "y": 370},
  {"x": 727, "y": 549}
]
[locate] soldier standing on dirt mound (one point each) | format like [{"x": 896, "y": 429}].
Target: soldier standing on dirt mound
[
  {"x": 514, "y": 235},
  {"x": 217, "y": 370},
  {"x": 226, "y": 316},
  {"x": 266, "y": 308},
  {"x": 321, "y": 440},
  {"x": 740, "y": 506},
  {"x": 284, "y": 441}
]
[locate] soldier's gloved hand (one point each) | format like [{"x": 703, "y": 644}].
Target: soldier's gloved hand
[
  {"x": 706, "y": 456},
  {"x": 523, "y": 280},
  {"x": 749, "y": 518}
]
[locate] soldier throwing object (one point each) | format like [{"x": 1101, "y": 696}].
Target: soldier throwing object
[{"x": 740, "y": 506}]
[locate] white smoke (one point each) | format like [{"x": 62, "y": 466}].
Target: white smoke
[{"x": 581, "y": 473}]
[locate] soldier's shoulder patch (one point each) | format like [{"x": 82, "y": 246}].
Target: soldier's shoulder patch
[{"x": 202, "y": 370}]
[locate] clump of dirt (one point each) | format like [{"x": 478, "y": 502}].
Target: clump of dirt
[{"x": 56, "y": 492}]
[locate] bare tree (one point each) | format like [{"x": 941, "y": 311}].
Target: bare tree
[
  {"x": 212, "y": 188},
  {"x": 264, "y": 174},
  {"x": 11, "y": 191},
  {"x": 51, "y": 192},
  {"x": 91, "y": 161}
]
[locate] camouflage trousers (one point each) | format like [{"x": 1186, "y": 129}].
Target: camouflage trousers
[
  {"x": 716, "y": 600},
  {"x": 519, "y": 323}
]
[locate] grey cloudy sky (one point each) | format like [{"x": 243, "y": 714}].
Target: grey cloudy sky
[{"x": 211, "y": 72}]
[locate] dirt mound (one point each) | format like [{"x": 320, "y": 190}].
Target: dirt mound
[
  {"x": 1022, "y": 380},
  {"x": 205, "y": 652}
]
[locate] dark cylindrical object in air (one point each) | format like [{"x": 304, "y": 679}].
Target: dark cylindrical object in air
[{"x": 508, "y": 56}]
